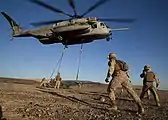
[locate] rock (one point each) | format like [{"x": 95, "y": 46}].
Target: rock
[
  {"x": 27, "y": 110},
  {"x": 102, "y": 99}
]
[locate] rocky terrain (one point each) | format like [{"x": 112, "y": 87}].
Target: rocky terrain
[{"x": 25, "y": 100}]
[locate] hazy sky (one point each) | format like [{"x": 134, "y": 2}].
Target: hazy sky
[{"x": 145, "y": 43}]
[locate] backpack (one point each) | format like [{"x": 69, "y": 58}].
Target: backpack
[
  {"x": 123, "y": 65},
  {"x": 149, "y": 77}
]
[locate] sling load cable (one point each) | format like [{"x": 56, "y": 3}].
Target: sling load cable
[
  {"x": 61, "y": 59},
  {"x": 58, "y": 63},
  {"x": 80, "y": 53}
]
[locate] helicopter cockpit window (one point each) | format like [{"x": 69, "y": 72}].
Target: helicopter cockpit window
[
  {"x": 94, "y": 25},
  {"x": 102, "y": 24}
]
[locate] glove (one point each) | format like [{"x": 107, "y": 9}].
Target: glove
[
  {"x": 142, "y": 75},
  {"x": 106, "y": 80}
]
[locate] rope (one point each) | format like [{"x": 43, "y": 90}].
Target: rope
[
  {"x": 80, "y": 53},
  {"x": 61, "y": 59},
  {"x": 58, "y": 63}
]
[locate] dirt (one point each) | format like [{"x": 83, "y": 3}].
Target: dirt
[{"x": 24, "y": 100}]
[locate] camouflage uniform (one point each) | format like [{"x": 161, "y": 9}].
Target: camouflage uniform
[
  {"x": 58, "y": 80},
  {"x": 148, "y": 93},
  {"x": 148, "y": 83},
  {"x": 122, "y": 89},
  {"x": 44, "y": 83},
  {"x": 119, "y": 78}
]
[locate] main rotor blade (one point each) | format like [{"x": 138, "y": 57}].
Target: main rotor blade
[
  {"x": 72, "y": 4},
  {"x": 38, "y": 2},
  {"x": 124, "y": 20},
  {"x": 100, "y": 2},
  {"x": 46, "y": 22}
]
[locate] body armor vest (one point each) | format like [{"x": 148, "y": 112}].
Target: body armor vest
[
  {"x": 149, "y": 77},
  {"x": 116, "y": 69}
]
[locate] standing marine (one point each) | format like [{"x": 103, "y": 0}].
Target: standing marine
[
  {"x": 118, "y": 70},
  {"x": 149, "y": 77},
  {"x": 58, "y": 80}
]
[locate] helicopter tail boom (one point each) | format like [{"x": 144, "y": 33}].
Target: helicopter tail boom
[{"x": 15, "y": 27}]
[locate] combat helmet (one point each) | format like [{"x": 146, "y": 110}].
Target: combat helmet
[
  {"x": 58, "y": 73},
  {"x": 111, "y": 55},
  {"x": 147, "y": 67}
]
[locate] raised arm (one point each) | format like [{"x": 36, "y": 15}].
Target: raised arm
[
  {"x": 142, "y": 75},
  {"x": 111, "y": 68}
]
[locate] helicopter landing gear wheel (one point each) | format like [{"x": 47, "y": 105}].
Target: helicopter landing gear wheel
[{"x": 108, "y": 39}]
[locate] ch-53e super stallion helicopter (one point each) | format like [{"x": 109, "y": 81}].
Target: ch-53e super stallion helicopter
[{"x": 75, "y": 30}]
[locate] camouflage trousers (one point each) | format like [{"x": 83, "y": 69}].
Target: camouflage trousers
[
  {"x": 148, "y": 93},
  {"x": 57, "y": 84},
  {"x": 122, "y": 80},
  {"x": 149, "y": 86}
]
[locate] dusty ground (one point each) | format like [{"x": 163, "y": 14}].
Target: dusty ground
[{"x": 23, "y": 100}]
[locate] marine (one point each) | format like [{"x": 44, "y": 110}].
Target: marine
[
  {"x": 118, "y": 70},
  {"x": 58, "y": 80},
  {"x": 149, "y": 77},
  {"x": 44, "y": 82}
]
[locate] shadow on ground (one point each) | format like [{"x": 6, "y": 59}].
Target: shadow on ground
[
  {"x": 74, "y": 99},
  {"x": 106, "y": 95}
]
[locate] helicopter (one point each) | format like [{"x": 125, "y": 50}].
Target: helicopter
[{"x": 77, "y": 29}]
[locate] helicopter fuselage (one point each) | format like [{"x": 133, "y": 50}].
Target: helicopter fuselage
[{"x": 76, "y": 31}]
